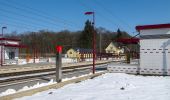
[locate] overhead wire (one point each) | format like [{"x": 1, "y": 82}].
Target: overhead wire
[
  {"x": 42, "y": 14},
  {"x": 30, "y": 17},
  {"x": 102, "y": 16},
  {"x": 111, "y": 13},
  {"x": 23, "y": 21}
]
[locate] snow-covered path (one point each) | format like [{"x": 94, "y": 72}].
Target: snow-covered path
[{"x": 111, "y": 86}]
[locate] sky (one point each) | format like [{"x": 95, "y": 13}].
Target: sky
[{"x": 57, "y": 15}]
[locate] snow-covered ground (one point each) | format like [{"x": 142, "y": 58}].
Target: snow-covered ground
[
  {"x": 12, "y": 91},
  {"x": 111, "y": 86}
]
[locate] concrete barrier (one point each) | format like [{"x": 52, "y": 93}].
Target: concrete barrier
[
  {"x": 134, "y": 69},
  {"x": 154, "y": 71},
  {"x": 123, "y": 68},
  {"x": 53, "y": 86}
]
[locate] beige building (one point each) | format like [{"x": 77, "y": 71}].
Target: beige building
[
  {"x": 72, "y": 53},
  {"x": 79, "y": 53},
  {"x": 114, "y": 48}
]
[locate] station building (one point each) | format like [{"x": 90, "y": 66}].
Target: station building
[
  {"x": 9, "y": 51},
  {"x": 154, "y": 49}
]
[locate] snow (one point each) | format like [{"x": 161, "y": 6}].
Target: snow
[
  {"x": 111, "y": 86},
  {"x": 11, "y": 91}
]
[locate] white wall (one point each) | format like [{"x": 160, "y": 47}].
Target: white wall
[
  {"x": 154, "y": 55},
  {"x": 5, "y": 55},
  {"x": 11, "y": 49},
  {"x": 123, "y": 68},
  {"x": 6, "y": 50},
  {"x": 155, "y": 31},
  {"x": 12, "y": 42}
]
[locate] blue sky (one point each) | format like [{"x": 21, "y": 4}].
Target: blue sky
[{"x": 56, "y": 15}]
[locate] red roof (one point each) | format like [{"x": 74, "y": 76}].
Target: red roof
[
  {"x": 156, "y": 26},
  {"x": 10, "y": 39},
  {"x": 128, "y": 40}
]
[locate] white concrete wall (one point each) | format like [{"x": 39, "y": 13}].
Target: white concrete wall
[
  {"x": 9, "y": 42},
  {"x": 64, "y": 60},
  {"x": 6, "y": 50},
  {"x": 12, "y": 42},
  {"x": 155, "y": 56},
  {"x": 11, "y": 49},
  {"x": 123, "y": 68},
  {"x": 155, "y": 31}
]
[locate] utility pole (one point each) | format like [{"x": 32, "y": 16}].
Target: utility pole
[
  {"x": 100, "y": 45},
  {"x": 94, "y": 39}
]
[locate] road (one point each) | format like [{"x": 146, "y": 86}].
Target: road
[{"x": 19, "y": 84}]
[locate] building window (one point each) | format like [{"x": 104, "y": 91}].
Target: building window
[{"x": 11, "y": 55}]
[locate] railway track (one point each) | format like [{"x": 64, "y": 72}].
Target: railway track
[
  {"x": 16, "y": 81},
  {"x": 22, "y": 76},
  {"x": 31, "y": 70},
  {"x": 19, "y": 81}
]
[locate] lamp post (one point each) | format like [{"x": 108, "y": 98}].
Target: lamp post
[
  {"x": 94, "y": 39},
  {"x": 3, "y": 30},
  {"x": 2, "y": 45}
]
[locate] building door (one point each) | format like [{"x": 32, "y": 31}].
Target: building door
[{"x": 11, "y": 55}]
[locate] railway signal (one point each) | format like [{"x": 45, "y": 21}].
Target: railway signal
[{"x": 58, "y": 63}]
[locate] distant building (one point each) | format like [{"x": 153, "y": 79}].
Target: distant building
[
  {"x": 80, "y": 53},
  {"x": 114, "y": 48},
  {"x": 9, "y": 50}
]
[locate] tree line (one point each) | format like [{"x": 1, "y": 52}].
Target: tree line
[{"x": 44, "y": 41}]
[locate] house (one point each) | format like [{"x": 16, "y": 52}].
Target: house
[
  {"x": 114, "y": 48},
  {"x": 9, "y": 50},
  {"x": 80, "y": 53},
  {"x": 154, "y": 49}
]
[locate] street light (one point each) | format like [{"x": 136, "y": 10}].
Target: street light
[
  {"x": 2, "y": 45},
  {"x": 3, "y": 30},
  {"x": 94, "y": 39}
]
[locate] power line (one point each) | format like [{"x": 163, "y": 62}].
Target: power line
[
  {"x": 18, "y": 26},
  {"x": 21, "y": 9},
  {"x": 23, "y": 21},
  {"x": 10, "y": 12},
  {"x": 23, "y": 24},
  {"x": 42, "y": 14},
  {"x": 111, "y": 13},
  {"x": 102, "y": 16}
]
